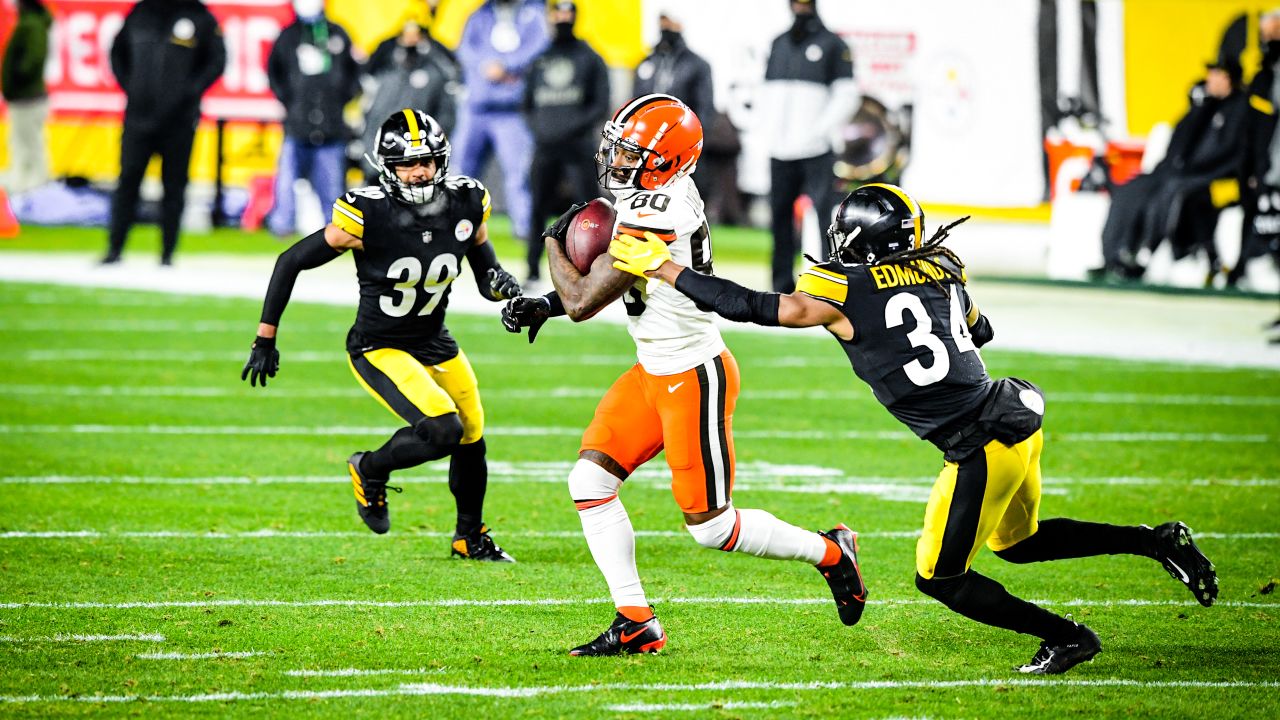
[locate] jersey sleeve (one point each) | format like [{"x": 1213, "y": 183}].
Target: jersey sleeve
[
  {"x": 825, "y": 284},
  {"x": 349, "y": 212},
  {"x": 486, "y": 202}
]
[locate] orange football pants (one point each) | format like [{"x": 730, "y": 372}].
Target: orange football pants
[{"x": 689, "y": 414}]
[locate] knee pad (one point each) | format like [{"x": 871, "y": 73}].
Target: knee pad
[
  {"x": 441, "y": 431},
  {"x": 715, "y": 533},
  {"x": 944, "y": 590},
  {"x": 588, "y": 482}
]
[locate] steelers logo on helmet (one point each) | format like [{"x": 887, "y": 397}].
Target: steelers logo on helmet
[
  {"x": 874, "y": 222},
  {"x": 649, "y": 143},
  {"x": 410, "y": 137}
]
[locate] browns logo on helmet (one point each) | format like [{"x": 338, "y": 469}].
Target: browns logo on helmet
[{"x": 649, "y": 143}]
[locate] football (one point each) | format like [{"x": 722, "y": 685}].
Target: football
[{"x": 589, "y": 233}]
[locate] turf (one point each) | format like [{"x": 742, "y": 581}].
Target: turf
[{"x": 221, "y": 510}]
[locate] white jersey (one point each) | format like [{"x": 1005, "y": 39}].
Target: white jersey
[{"x": 672, "y": 335}]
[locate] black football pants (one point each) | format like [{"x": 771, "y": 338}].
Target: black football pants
[
  {"x": 554, "y": 166},
  {"x": 788, "y": 180}
]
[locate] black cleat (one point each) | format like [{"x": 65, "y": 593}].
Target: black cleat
[
  {"x": 371, "y": 496},
  {"x": 626, "y": 636},
  {"x": 845, "y": 577},
  {"x": 1178, "y": 553},
  {"x": 1057, "y": 659},
  {"x": 478, "y": 546}
]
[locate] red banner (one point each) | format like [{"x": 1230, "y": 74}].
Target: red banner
[{"x": 78, "y": 72}]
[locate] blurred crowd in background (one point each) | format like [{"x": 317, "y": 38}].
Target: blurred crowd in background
[{"x": 523, "y": 97}]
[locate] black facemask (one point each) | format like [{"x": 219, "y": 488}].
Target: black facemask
[
  {"x": 804, "y": 26},
  {"x": 563, "y": 32},
  {"x": 668, "y": 39},
  {"x": 1271, "y": 50}
]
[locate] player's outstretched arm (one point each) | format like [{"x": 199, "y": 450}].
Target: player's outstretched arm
[
  {"x": 494, "y": 282},
  {"x": 310, "y": 252},
  {"x": 651, "y": 257}
]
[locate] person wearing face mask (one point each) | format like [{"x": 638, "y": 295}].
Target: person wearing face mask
[
  {"x": 313, "y": 74},
  {"x": 499, "y": 43},
  {"x": 166, "y": 55},
  {"x": 808, "y": 93},
  {"x": 411, "y": 69},
  {"x": 566, "y": 102},
  {"x": 673, "y": 69},
  {"x": 1261, "y": 171}
]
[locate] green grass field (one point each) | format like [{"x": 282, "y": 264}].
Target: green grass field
[{"x": 150, "y": 494}]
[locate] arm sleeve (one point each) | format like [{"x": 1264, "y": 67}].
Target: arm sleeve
[
  {"x": 729, "y": 299},
  {"x": 120, "y": 59},
  {"x": 979, "y": 326},
  {"x": 482, "y": 259},
  {"x": 309, "y": 252},
  {"x": 276, "y": 73}
]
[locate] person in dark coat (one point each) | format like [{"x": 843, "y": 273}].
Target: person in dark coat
[
  {"x": 167, "y": 54},
  {"x": 566, "y": 102},
  {"x": 1176, "y": 199},
  {"x": 1260, "y": 174},
  {"x": 412, "y": 70},
  {"x": 314, "y": 75},
  {"x": 22, "y": 78}
]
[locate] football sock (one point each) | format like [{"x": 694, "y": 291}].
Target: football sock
[
  {"x": 636, "y": 614},
  {"x": 405, "y": 449},
  {"x": 980, "y": 598},
  {"x": 759, "y": 533},
  {"x": 608, "y": 531},
  {"x": 468, "y": 480},
  {"x": 1060, "y": 538},
  {"x": 832, "y": 555}
]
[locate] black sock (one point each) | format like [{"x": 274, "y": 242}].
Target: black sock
[
  {"x": 1060, "y": 538},
  {"x": 468, "y": 480},
  {"x": 405, "y": 449},
  {"x": 980, "y": 598}
]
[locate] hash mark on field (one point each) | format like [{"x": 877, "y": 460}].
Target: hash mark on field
[
  {"x": 198, "y": 656},
  {"x": 546, "y": 602},
  {"x": 574, "y": 431},
  {"x": 83, "y": 638},
  {"x": 358, "y": 672},
  {"x": 410, "y": 689}
]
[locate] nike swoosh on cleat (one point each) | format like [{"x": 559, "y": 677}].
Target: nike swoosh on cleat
[
  {"x": 628, "y": 638},
  {"x": 1183, "y": 573},
  {"x": 673, "y": 388}
]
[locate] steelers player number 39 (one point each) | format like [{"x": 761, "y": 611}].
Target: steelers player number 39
[
  {"x": 903, "y": 304},
  {"x": 407, "y": 272}
]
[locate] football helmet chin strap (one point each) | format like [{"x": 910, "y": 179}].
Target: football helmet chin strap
[{"x": 403, "y": 191}]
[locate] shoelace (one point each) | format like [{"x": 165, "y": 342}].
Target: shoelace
[{"x": 377, "y": 493}]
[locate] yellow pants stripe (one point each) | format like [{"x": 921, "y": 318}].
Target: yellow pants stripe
[
  {"x": 992, "y": 499},
  {"x": 411, "y": 390}
]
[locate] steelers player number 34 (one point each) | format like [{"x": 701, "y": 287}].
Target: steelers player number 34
[
  {"x": 903, "y": 304},
  {"x": 407, "y": 272}
]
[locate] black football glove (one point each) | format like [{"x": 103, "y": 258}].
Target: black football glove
[
  {"x": 530, "y": 312},
  {"x": 264, "y": 361},
  {"x": 560, "y": 227},
  {"x": 502, "y": 284}
]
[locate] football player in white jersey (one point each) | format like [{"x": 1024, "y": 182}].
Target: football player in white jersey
[{"x": 681, "y": 394}]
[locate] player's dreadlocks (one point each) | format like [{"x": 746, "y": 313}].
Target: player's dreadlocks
[{"x": 929, "y": 250}]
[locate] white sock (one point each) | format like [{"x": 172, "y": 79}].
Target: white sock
[
  {"x": 759, "y": 533},
  {"x": 608, "y": 530}
]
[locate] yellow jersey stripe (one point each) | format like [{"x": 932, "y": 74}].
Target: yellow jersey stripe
[
  {"x": 344, "y": 222},
  {"x": 837, "y": 277},
  {"x": 822, "y": 287},
  {"x": 972, "y": 316},
  {"x": 1262, "y": 104},
  {"x": 486, "y": 203},
  {"x": 412, "y": 119},
  {"x": 350, "y": 209}
]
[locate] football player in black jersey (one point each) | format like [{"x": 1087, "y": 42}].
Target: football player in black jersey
[
  {"x": 408, "y": 238},
  {"x": 899, "y": 308}
]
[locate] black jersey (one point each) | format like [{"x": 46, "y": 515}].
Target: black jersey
[
  {"x": 411, "y": 257},
  {"x": 911, "y": 340}
]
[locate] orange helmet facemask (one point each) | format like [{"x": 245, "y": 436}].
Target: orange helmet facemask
[{"x": 649, "y": 143}]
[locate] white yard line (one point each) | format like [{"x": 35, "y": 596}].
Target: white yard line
[
  {"x": 574, "y": 431},
  {"x": 596, "y": 391},
  {"x": 421, "y": 689},
  {"x": 271, "y": 534},
  {"x": 553, "y": 602},
  {"x": 359, "y": 672},
  {"x": 694, "y": 707},
  {"x": 82, "y": 638},
  {"x": 198, "y": 656}
]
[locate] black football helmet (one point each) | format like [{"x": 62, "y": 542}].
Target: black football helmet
[
  {"x": 409, "y": 136},
  {"x": 873, "y": 222}
]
